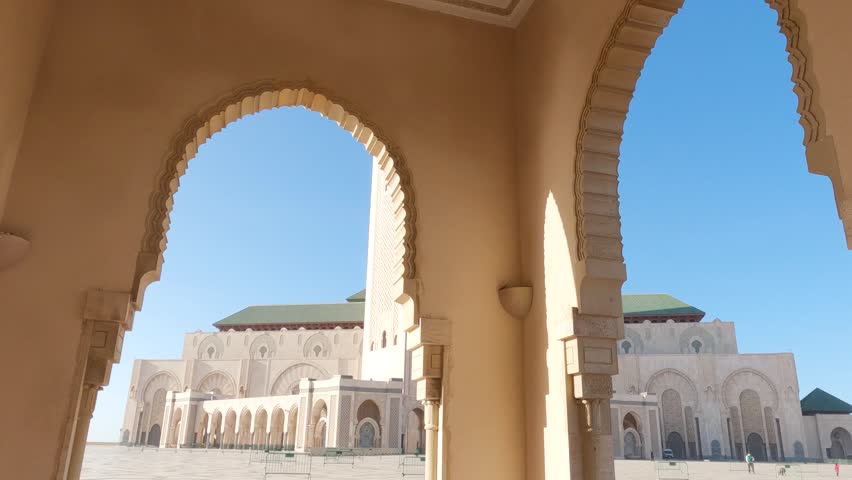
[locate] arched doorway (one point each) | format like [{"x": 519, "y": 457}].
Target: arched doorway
[
  {"x": 367, "y": 434},
  {"x": 675, "y": 442},
  {"x": 632, "y": 440},
  {"x": 259, "y": 436},
  {"x": 415, "y": 432},
  {"x": 174, "y": 430},
  {"x": 368, "y": 412},
  {"x": 292, "y": 425},
  {"x": 320, "y": 432},
  {"x": 276, "y": 429},
  {"x": 631, "y": 445},
  {"x": 319, "y": 419},
  {"x": 229, "y": 439},
  {"x": 201, "y": 433},
  {"x": 841, "y": 444},
  {"x": 214, "y": 436},
  {"x": 755, "y": 446},
  {"x": 244, "y": 432},
  {"x": 154, "y": 435}
]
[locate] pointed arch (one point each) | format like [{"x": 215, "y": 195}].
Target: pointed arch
[
  {"x": 287, "y": 382},
  {"x": 218, "y": 382},
  {"x": 248, "y": 100},
  {"x": 597, "y": 154},
  {"x": 165, "y": 380}
]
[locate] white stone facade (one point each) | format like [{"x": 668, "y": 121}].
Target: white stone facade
[
  {"x": 685, "y": 387},
  {"x": 285, "y": 389}
]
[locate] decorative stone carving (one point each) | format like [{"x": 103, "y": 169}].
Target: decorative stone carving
[
  {"x": 749, "y": 379},
  {"x": 592, "y": 386}
]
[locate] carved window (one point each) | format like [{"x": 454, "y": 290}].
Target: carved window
[
  {"x": 384, "y": 339},
  {"x": 696, "y": 346},
  {"x": 210, "y": 352},
  {"x": 317, "y": 350},
  {"x": 626, "y": 346},
  {"x": 263, "y": 351}
]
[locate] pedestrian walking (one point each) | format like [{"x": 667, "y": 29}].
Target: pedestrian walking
[
  {"x": 836, "y": 469},
  {"x": 750, "y": 461}
]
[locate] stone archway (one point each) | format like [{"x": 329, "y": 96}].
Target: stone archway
[
  {"x": 292, "y": 428},
  {"x": 674, "y": 441},
  {"x": 367, "y": 433},
  {"x": 250, "y": 100},
  {"x": 755, "y": 446},
  {"x": 598, "y": 226},
  {"x": 154, "y": 435},
  {"x": 841, "y": 444},
  {"x": 173, "y": 440}
]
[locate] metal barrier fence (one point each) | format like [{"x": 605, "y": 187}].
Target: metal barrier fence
[
  {"x": 339, "y": 456},
  {"x": 672, "y": 471},
  {"x": 258, "y": 456},
  {"x": 287, "y": 463},
  {"x": 413, "y": 465}
]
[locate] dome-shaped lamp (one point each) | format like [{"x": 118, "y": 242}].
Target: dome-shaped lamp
[
  {"x": 516, "y": 300},
  {"x": 12, "y": 249}
]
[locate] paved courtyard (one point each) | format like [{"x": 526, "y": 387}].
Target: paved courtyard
[{"x": 109, "y": 462}]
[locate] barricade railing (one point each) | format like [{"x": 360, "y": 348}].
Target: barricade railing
[
  {"x": 339, "y": 456},
  {"x": 287, "y": 463},
  {"x": 258, "y": 456},
  {"x": 413, "y": 465},
  {"x": 672, "y": 470}
]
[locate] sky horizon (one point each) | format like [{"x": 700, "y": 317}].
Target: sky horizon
[{"x": 718, "y": 210}]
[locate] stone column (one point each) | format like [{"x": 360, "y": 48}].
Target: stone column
[
  {"x": 207, "y": 431},
  {"x": 426, "y": 342},
  {"x": 430, "y": 417},
  {"x": 590, "y": 361},
  {"x": 106, "y": 316},
  {"x": 84, "y": 418}
]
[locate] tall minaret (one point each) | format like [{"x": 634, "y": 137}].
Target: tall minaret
[{"x": 383, "y": 353}]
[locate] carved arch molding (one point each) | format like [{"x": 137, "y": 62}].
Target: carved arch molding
[
  {"x": 248, "y": 100},
  {"x": 598, "y": 228}
]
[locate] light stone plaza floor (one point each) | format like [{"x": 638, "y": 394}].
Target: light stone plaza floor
[{"x": 108, "y": 462}]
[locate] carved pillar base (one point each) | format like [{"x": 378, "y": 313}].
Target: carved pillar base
[
  {"x": 427, "y": 342},
  {"x": 590, "y": 362}
]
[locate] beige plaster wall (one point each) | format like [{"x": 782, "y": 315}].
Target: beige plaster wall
[
  {"x": 557, "y": 46},
  {"x": 120, "y": 78},
  {"x": 24, "y": 29}
]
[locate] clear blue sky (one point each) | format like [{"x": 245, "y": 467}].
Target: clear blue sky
[{"x": 717, "y": 205}]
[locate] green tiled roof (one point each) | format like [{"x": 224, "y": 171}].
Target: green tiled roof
[
  {"x": 820, "y": 401},
  {"x": 655, "y": 304},
  {"x": 351, "y": 312},
  {"x": 358, "y": 297}
]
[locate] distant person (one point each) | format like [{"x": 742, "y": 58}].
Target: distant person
[
  {"x": 652, "y": 455},
  {"x": 750, "y": 462},
  {"x": 836, "y": 469}
]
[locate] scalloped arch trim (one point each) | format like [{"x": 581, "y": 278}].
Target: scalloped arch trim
[
  {"x": 613, "y": 82},
  {"x": 247, "y": 101}
]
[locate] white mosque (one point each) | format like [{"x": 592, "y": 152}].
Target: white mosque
[
  {"x": 338, "y": 375},
  {"x": 291, "y": 377}
]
